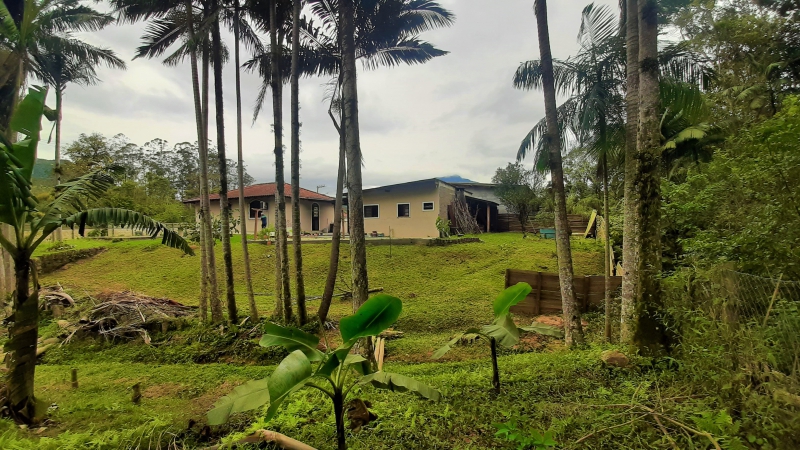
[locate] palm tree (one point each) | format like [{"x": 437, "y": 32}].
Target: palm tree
[
  {"x": 648, "y": 332},
  {"x": 593, "y": 113},
  {"x": 630, "y": 230},
  {"x": 58, "y": 66},
  {"x": 36, "y": 27},
  {"x": 395, "y": 42},
  {"x": 171, "y": 25},
  {"x": 302, "y": 314},
  {"x": 242, "y": 216},
  {"x": 573, "y": 332},
  {"x": 32, "y": 224}
]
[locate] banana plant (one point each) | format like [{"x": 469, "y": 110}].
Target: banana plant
[
  {"x": 335, "y": 373},
  {"x": 502, "y": 330},
  {"x": 31, "y": 223}
]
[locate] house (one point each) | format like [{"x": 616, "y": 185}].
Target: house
[
  {"x": 410, "y": 210},
  {"x": 316, "y": 210}
]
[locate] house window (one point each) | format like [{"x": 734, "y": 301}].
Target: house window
[
  {"x": 403, "y": 210},
  {"x": 255, "y": 206},
  {"x": 370, "y": 211},
  {"x": 427, "y": 206}
]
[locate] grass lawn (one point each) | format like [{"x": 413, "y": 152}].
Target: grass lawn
[{"x": 444, "y": 290}]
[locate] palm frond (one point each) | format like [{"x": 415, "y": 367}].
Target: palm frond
[
  {"x": 125, "y": 218},
  {"x": 529, "y": 76}
]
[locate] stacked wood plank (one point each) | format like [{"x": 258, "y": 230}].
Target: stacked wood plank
[{"x": 510, "y": 222}]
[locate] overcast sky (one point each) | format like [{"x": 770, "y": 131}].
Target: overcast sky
[{"x": 456, "y": 115}]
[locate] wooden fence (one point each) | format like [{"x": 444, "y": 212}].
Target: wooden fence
[
  {"x": 545, "y": 298},
  {"x": 509, "y": 222}
]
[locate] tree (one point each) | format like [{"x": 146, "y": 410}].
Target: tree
[
  {"x": 31, "y": 28},
  {"x": 520, "y": 190},
  {"x": 396, "y": 41},
  {"x": 573, "y": 332},
  {"x": 282, "y": 286},
  {"x": 32, "y": 224},
  {"x": 242, "y": 212},
  {"x": 646, "y": 318},
  {"x": 302, "y": 314}
]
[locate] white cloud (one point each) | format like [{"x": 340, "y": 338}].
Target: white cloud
[{"x": 457, "y": 114}]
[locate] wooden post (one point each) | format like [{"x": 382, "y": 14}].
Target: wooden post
[
  {"x": 508, "y": 277},
  {"x": 137, "y": 394},
  {"x": 488, "y": 217},
  {"x": 587, "y": 281},
  {"x": 74, "y": 378},
  {"x": 495, "y": 370},
  {"x": 537, "y": 305}
]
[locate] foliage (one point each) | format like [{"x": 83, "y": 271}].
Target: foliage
[
  {"x": 521, "y": 190},
  {"x": 502, "y": 330},
  {"x": 296, "y": 371},
  {"x": 191, "y": 230},
  {"x": 443, "y": 226},
  {"x": 534, "y": 440},
  {"x": 742, "y": 207}
]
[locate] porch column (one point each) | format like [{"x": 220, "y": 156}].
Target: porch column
[{"x": 488, "y": 217}]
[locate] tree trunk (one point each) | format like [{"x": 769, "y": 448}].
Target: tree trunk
[
  {"x": 205, "y": 273},
  {"x": 630, "y": 230},
  {"x": 573, "y": 332},
  {"x": 21, "y": 346},
  {"x": 59, "y": 94},
  {"x": 358, "y": 248},
  {"x": 495, "y": 369},
  {"x": 606, "y": 237},
  {"x": 224, "y": 207},
  {"x": 280, "y": 183},
  {"x": 338, "y": 411},
  {"x": 649, "y": 333},
  {"x": 216, "y": 305},
  {"x": 248, "y": 280},
  {"x": 302, "y": 314},
  {"x": 333, "y": 265}
]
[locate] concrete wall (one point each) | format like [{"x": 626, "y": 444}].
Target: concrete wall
[
  {"x": 325, "y": 213},
  {"x": 420, "y": 223}
]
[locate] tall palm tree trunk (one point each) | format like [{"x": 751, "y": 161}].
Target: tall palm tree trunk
[
  {"x": 649, "y": 334},
  {"x": 59, "y": 94},
  {"x": 358, "y": 249},
  {"x": 573, "y": 332},
  {"x": 214, "y": 300},
  {"x": 630, "y": 227},
  {"x": 302, "y": 314},
  {"x": 224, "y": 207},
  {"x": 336, "y": 239},
  {"x": 248, "y": 280},
  {"x": 207, "y": 265},
  {"x": 277, "y": 111},
  {"x": 606, "y": 238},
  {"x": 22, "y": 338}
]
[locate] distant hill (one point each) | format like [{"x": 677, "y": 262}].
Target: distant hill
[
  {"x": 43, "y": 170},
  {"x": 455, "y": 179}
]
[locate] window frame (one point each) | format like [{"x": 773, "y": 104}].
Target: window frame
[
  {"x": 251, "y": 209},
  {"x": 433, "y": 206},
  {"x": 378, "y": 208},
  {"x": 409, "y": 211}
]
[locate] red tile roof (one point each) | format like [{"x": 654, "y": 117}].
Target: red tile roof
[{"x": 268, "y": 190}]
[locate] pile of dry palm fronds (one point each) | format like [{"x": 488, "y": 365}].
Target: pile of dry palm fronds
[
  {"x": 128, "y": 315},
  {"x": 463, "y": 221}
]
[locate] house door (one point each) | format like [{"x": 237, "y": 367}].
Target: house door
[{"x": 314, "y": 217}]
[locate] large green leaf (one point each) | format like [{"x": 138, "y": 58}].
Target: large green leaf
[
  {"x": 401, "y": 383},
  {"x": 510, "y": 297},
  {"x": 291, "y": 339},
  {"x": 503, "y": 330},
  {"x": 291, "y": 375},
  {"x": 27, "y": 120},
  {"x": 547, "y": 330},
  {"x": 375, "y": 315},
  {"x": 248, "y": 396},
  {"x": 469, "y": 334}
]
